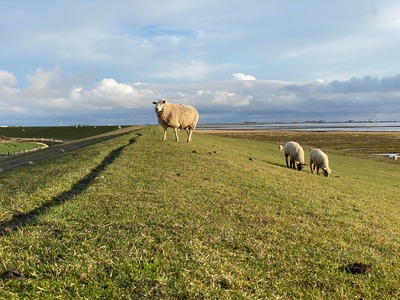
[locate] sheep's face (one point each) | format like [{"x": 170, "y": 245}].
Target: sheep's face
[
  {"x": 326, "y": 171},
  {"x": 300, "y": 166},
  {"x": 160, "y": 105}
]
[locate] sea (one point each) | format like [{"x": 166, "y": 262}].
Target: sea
[{"x": 308, "y": 126}]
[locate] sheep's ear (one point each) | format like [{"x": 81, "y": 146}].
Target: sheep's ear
[
  {"x": 164, "y": 101},
  {"x": 154, "y": 102}
]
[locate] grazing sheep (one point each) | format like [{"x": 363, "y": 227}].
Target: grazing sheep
[
  {"x": 176, "y": 116},
  {"x": 296, "y": 153},
  {"x": 319, "y": 159}
]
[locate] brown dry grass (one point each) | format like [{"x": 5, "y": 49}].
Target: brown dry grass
[{"x": 360, "y": 144}]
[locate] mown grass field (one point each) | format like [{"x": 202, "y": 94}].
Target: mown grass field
[
  {"x": 56, "y": 132},
  {"x": 16, "y": 147},
  {"x": 221, "y": 218}
]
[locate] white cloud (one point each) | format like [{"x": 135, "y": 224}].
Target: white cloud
[
  {"x": 201, "y": 43},
  {"x": 240, "y": 76},
  {"x": 48, "y": 94},
  {"x": 387, "y": 17},
  {"x": 53, "y": 103},
  {"x": 7, "y": 79},
  {"x": 42, "y": 79},
  {"x": 318, "y": 81},
  {"x": 189, "y": 71},
  {"x": 230, "y": 99},
  {"x": 109, "y": 94},
  {"x": 203, "y": 40},
  {"x": 45, "y": 84},
  {"x": 8, "y": 83}
]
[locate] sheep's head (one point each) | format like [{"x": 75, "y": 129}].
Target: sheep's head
[
  {"x": 300, "y": 165},
  {"x": 160, "y": 105},
  {"x": 326, "y": 171}
]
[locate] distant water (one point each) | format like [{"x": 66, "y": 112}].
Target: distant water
[{"x": 335, "y": 126}]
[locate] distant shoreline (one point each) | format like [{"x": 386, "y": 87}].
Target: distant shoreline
[{"x": 389, "y": 126}]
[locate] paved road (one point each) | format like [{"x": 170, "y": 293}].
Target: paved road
[{"x": 14, "y": 161}]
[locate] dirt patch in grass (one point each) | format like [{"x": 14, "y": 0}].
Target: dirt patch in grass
[{"x": 357, "y": 268}]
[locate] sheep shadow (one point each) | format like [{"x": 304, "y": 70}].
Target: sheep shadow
[{"x": 21, "y": 220}]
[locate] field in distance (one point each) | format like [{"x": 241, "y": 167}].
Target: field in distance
[
  {"x": 56, "y": 132},
  {"x": 358, "y": 144}
]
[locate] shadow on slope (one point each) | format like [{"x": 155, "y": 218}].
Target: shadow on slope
[{"x": 22, "y": 220}]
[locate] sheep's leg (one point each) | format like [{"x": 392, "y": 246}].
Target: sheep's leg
[
  {"x": 292, "y": 164},
  {"x": 176, "y": 134},
  {"x": 165, "y": 134},
  {"x": 311, "y": 167},
  {"x": 286, "y": 159},
  {"x": 317, "y": 170},
  {"x": 189, "y": 132}
]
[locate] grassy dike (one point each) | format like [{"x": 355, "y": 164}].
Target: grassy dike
[{"x": 221, "y": 218}]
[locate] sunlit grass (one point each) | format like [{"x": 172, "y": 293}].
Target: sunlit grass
[
  {"x": 17, "y": 147},
  {"x": 219, "y": 218}
]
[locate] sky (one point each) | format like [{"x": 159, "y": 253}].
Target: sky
[{"x": 100, "y": 62}]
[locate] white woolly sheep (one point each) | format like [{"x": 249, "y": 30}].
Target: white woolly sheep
[
  {"x": 319, "y": 160},
  {"x": 176, "y": 116},
  {"x": 296, "y": 154}
]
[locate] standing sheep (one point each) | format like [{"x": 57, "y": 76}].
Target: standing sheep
[
  {"x": 318, "y": 159},
  {"x": 176, "y": 116},
  {"x": 296, "y": 153}
]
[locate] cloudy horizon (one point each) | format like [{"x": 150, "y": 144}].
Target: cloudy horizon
[{"x": 102, "y": 62}]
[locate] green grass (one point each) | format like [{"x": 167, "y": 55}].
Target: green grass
[
  {"x": 220, "y": 218},
  {"x": 16, "y": 147},
  {"x": 56, "y": 132}
]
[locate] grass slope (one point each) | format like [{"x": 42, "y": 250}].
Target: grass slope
[
  {"x": 56, "y": 132},
  {"x": 221, "y": 218}
]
